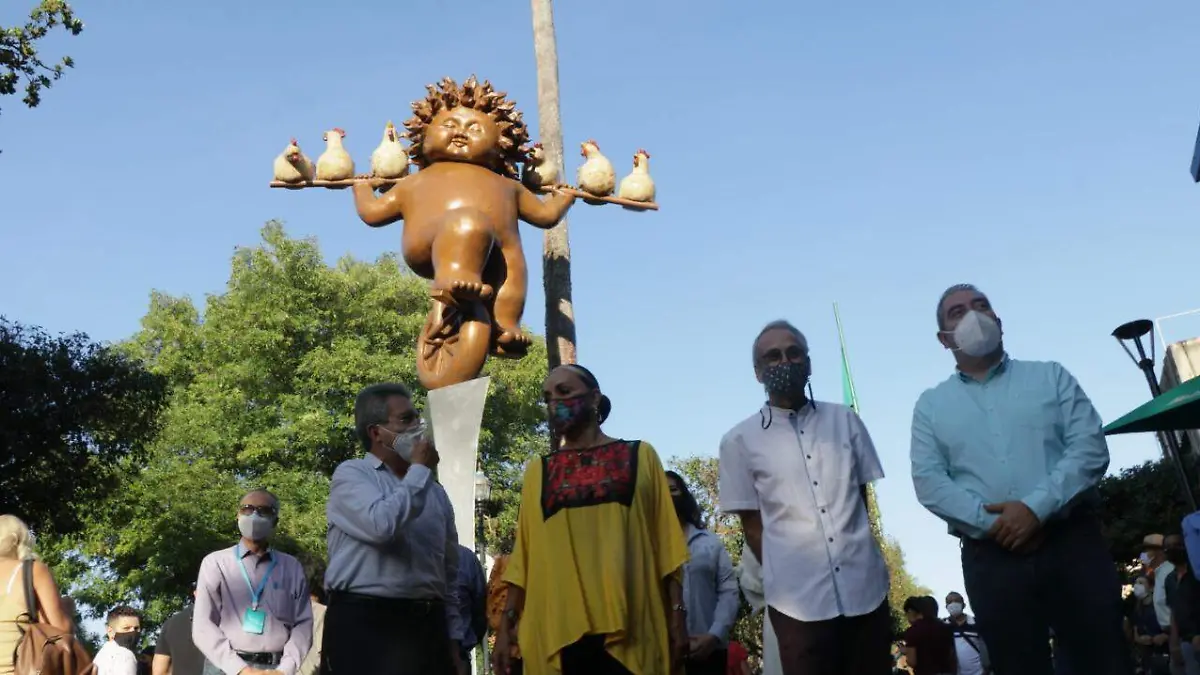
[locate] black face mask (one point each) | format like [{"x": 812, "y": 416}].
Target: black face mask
[
  {"x": 1176, "y": 556},
  {"x": 680, "y": 503},
  {"x": 785, "y": 379},
  {"x": 127, "y": 640}
]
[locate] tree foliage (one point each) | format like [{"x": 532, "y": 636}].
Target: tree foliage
[
  {"x": 19, "y": 58},
  {"x": 262, "y": 394},
  {"x": 1141, "y": 500},
  {"x": 71, "y": 411},
  {"x": 701, "y": 474}
]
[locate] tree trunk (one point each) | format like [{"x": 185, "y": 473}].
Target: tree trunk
[{"x": 556, "y": 247}]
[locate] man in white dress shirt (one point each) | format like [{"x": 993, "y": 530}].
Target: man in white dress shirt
[
  {"x": 117, "y": 656},
  {"x": 796, "y": 473}
]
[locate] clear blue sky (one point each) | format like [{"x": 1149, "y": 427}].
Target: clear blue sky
[{"x": 870, "y": 153}]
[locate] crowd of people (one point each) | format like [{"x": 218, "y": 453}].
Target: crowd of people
[{"x": 613, "y": 571}]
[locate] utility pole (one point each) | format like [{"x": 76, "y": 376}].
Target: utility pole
[{"x": 556, "y": 245}]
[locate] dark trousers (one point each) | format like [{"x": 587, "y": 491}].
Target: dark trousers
[
  {"x": 717, "y": 663},
  {"x": 588, "y": 657},
  {"x": 385, "y": 636},
  {"x": 1068, "y": 584},
  {"x": 846, "y": 645}
]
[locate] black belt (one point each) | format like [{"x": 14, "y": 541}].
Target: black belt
[
  {"x": 263, "y": 658},
  {"x": 398, "y": 604}
]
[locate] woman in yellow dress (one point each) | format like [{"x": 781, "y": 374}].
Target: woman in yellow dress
[{"x": 595, "y": 572}]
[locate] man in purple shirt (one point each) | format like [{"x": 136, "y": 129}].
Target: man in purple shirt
[{"x": 252, "y": 614}]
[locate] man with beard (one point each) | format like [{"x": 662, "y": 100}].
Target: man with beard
[
  {"x": 796, "y": 473},
  {"x": 1009, "y": 453}
]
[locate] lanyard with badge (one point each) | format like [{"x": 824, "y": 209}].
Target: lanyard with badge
[{"x": 254, "y": 621}]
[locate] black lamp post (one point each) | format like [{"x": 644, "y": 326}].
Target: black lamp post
[
  {"x": 483, "y": 497},
  {"x": 1133, "y": 332}
]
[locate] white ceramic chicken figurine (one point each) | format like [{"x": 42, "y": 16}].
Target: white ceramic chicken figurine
[
  {"x": 538, "y": 172},
  {"x": 638, "y": 186},
  {"x": 596, "y": 176},
  {"x": 390, "y": 159},
  {"x": 335, "y": 163},
  {"x": 292, "y": 166}
]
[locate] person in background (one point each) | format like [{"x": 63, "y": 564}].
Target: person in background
[
  {"x": 928, "y": 643},
  {"x": 176, "y": 653},
  {"x": 472, "y": 605},
  {"x": 16, "y": 546},
  {"x": 145, "y": 660},
  {"x": 314, "y": 571},
  {"x": 750, "y": 579},
  {"x": 497, "y": 601},
  {"x": 710, "y": 586},
  {"x": 124, "y": 631},
  {"x": 1151, "y": 640},
  {"x": 71, "y": 611},
  {"x": 1183, "y": 594},
  {"x": 969, "y": 646},
  {"x": 1158, "y": 570},
  {"x": 393, "y": 549},
  {"x": 596, "y": 571},
  {"x": 252, "y": 611},
  {"x": 1010, "y": 453},
  {"x": 796, "y": 472}
]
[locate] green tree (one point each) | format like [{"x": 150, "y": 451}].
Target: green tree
[
  {"x": 70, "y": 411},
  {"x": 1138, "y": 501},
  {"x": 19, "y": 58},
  {"x": 262, "y": 392},
  {"x": 702, "y": 473}
]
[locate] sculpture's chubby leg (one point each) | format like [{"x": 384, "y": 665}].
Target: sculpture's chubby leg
[
  {"x": 461, "y": 247},
  {"x": 506, "y": 271}
]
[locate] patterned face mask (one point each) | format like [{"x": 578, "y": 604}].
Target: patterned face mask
[
  {"x": 569, "y": 413},
  {"x": 785, "y": 379}
]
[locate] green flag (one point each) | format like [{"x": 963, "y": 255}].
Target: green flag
[{"x": 849, "y": 396}]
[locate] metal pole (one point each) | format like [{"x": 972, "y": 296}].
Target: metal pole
[
  {"x": 485, "y": 666},
  {"x": 1168, "y": 439}
]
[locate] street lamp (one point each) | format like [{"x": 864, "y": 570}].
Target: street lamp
[
  {"x": 483, "y": 496},
  {"x": 1133, "y": 332}
]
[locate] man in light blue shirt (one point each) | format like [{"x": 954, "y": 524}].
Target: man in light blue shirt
[
  {"x": 1009, "y": 454},
  {"x": 393, "y": 550}
]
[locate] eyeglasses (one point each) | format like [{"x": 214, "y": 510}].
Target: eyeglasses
[
  {"x": 249, "y": 509},
  {"x": 794, "y": 354}
]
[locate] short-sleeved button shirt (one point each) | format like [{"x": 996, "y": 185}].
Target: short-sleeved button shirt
[{"x": 803, "y": 471}]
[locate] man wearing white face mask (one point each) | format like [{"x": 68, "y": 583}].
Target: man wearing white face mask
[
  {"x": 393, "y": 550},
  {"x": 252, "y": 614},
  {"x": 968, "y": 644},
  {"x": 1009, "y": 454}
]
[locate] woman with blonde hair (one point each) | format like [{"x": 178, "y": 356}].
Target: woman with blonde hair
[{"x": 16, "y": 546}]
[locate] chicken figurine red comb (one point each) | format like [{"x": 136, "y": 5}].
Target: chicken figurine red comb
[
  {"x": 293, "y": 142},
  {"x": 340, "y": 132},
  {"x": 538, "y": 145},
  {"x": 643, "y": 152}
]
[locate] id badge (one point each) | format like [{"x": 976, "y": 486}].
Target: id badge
[{"x": 254, "y": 622}]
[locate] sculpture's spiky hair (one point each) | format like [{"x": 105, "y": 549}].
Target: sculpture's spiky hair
[{"x": 473, "y": 94}]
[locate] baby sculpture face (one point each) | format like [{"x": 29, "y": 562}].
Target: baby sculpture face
[{"x": 462, "y": 135}]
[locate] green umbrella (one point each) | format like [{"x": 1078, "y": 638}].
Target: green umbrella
[{"x": 1175, "y": 410}]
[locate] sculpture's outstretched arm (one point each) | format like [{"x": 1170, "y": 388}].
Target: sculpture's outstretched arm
[
  {"x": 382, "y": 210},
  {"x": 543, "y": 214}
]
